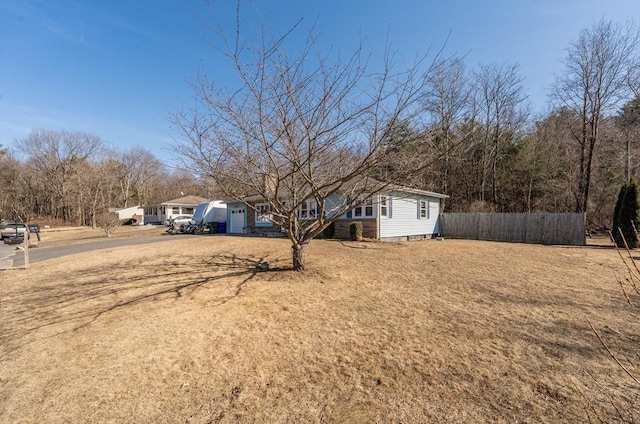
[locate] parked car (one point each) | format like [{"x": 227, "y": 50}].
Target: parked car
[
  {"x": 179, "y": 220},
  {"x": 12, "y": 229}
]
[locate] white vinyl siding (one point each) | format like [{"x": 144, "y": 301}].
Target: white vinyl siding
[
  {"x": 434, "y": 214},
  {"x": 406, "y": 220}
]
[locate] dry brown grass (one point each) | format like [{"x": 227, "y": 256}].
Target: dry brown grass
[
  {"x": 72, "y": 235},
  {"x": 188, "y": 331}
]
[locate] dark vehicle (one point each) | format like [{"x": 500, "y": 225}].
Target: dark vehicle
[
  {"x": 34, "y": 231},
  {"x": 13, "y": 239}
]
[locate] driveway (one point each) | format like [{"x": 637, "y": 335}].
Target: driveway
[
  {"x": 6, "y": 255},
  {"x": 10, "y": 256}
]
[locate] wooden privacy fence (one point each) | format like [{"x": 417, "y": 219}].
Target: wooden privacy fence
[{"x": 541, "y": 228}]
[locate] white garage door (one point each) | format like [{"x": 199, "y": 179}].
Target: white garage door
[{"x": 237, "y": 221}]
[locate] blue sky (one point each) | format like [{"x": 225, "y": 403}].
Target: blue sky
[{"x": 119, "y": 68}]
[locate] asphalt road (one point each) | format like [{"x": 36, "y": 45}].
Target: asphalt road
[{"x": 11, "y": 257}]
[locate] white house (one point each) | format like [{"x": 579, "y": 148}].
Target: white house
[
  {"x": 156, "y": 214},
  {"x": 399, "y": 213},
  {"x": 132, "y": 212}
]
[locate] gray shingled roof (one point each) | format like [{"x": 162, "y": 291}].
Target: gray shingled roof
[{"x": 185, "y": 201}]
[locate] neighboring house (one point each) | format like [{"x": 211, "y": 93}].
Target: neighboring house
[
  {"x": 186, "y": 205},
  {"x": 135, "y": 212},
  {"x": 399, "y": 213}
]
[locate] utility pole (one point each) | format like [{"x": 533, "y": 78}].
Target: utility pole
[
  {"x": 25, "y": 242},
  {"x": 25, "y": 238}
]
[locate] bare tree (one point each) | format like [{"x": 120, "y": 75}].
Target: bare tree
[
  {"x": 549, "y": 168},
  {"x": 447, "y": 102},
  {"x": 94, "y": 181},
  {"x": 298, "y": 127},
  {"x": 11, "y": 197},
  {"x": 134, "y": 170},
  {"x": 56, "y": 157},
  {"x": 598, "y": 75},
  {"x": 109, "y": 222},
  {"x": 500, "y": 98}
]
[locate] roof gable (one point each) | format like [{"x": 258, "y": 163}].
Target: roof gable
[
  {"x": 401, "y": 189},
  {"x": 185, "y": 201}
]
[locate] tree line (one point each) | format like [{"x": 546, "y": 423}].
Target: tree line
[{"x": 73, "y": 177}]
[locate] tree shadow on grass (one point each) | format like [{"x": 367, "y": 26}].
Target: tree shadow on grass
[
  {"x": 556, "y": 336},
  {"x": 48, "y": 310}
]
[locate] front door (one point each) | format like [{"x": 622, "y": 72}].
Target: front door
[{"x": 237, "y": 220}]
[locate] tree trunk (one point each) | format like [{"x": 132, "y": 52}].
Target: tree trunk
[
  {"x": 444, "y": 184},
  {"x": 299, "y": 259},
  {"x": 627, "y": 165},
  {"x": 587, "y": 177},
  {"x": 581, "y": 179},
  {"x": 494, "y": 164}
]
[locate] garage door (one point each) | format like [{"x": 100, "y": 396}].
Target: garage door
[{"x": 237, "y": 221}]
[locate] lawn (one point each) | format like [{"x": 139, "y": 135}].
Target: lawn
[
  {"x": 433, "y": 331},
  {"x": 71, "y": 235}
]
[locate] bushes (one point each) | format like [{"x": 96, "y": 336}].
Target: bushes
[
  {"x": 626, "y": 215},
  {"x": 329, "y": 232},
  {"x": 355, "y": 230}
]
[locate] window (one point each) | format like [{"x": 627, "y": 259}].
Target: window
[
  {"x": 188, "y": 211},
  {"x": 364, "y": 211},
  {"x": 384, "y": 206},
  {"x": 368, "y": 208},
  {"x": 263, "y": 215},
  {"x": 423, "y": 208},
  {"x": 308, "y": 209},
  {"x": 175, "y": 210}
]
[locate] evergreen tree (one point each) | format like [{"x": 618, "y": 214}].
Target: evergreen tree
[
  {"x": 616, "y": 216},
  {"x": 627, "y": 215}
]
